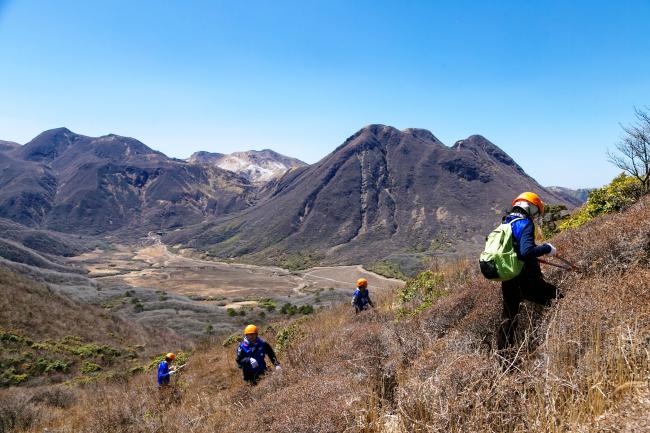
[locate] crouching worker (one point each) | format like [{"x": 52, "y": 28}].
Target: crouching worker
[
  {"x": 529, "y": 284},
  {"x": 251, "y": 353},
  {"x": 165, "y": 370},
  {"x": 361, "y": 298}
]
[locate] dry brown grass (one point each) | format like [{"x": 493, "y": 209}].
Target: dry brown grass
[{"x": 581, "y": 365}]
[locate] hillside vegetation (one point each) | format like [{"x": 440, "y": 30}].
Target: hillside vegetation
[
  {"x": 423, "y": 361},
  {"x": 47, "y": 338}
]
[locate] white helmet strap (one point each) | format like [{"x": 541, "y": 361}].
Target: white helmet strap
[{"x": 530, "y": 208}]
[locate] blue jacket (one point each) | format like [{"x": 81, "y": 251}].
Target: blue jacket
[
  {"x": 163, "y": 373},
  {"x": 361, "y": 299},
  {"x": 524, "y": 242},
  {"x": 257, "y": 350}
]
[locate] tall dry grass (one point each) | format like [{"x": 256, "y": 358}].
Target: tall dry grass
[{"x": 580, "y": 365}]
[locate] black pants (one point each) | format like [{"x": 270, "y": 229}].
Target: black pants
[
  {"x": 253, "y": 377},
  {"x": 530, "y": 286}
]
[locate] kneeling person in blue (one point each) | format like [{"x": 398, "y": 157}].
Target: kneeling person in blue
[
  {"x": 164, "y": 370},
  {"x": 251, "y": 353},
  {"x": 361, "y": 298}
]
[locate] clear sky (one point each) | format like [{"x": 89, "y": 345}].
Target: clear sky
[{"x": 547, "y": 81}]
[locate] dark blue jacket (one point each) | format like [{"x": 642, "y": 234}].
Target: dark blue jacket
[
  {"x": 361, "y": 299},
  {"x": 524, "y": 242},
  {"x": 257, "y": 350},
  {"x": 163, "y": 373}
]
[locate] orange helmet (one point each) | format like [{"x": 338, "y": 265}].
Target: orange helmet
[
  {"x": 171, "y": 356},
  {"x": 250, "y": 329},
  {"x": 531, "y": 198},
  {"x": 362, "y": 282}
]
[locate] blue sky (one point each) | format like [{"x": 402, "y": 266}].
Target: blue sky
[{"x": 547, "y": 81}]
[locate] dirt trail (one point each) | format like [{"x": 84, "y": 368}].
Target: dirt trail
[{"x": 155, "y": 266}]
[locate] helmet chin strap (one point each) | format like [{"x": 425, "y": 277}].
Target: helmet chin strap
[{"x": 529, "y": 208}]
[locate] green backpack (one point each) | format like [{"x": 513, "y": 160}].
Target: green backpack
[{"x": 499, "y": 260}]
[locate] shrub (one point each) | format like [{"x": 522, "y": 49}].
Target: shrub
[
  {"x": 268, "y": 304},
  {"x": 388, "y": 269},
  {"x": 620, "y": 194},
  {"x": 45, "y": 365},
  {"x": 289, "y": 309},
  {"x": 420, "y": 293},
  {"x": 235, "y": 338},
  {"x": 231, "y": 312},
  {"x": 288, "y": 336},
  {"x": 90, "y": 367}
]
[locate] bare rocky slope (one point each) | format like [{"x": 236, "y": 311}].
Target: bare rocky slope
[
  {"x": 257, "y": 166},
  {"x": 382, "y": 192},
  {"x": 576, "y": 197},
  {"x": 73, "y": 183}
]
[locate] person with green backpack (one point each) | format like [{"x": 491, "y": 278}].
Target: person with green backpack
[{"x": 510, "y": 256}]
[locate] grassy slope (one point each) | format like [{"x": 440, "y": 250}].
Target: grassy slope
[
  {"x": 48, "y": 338},
  {"x": 428, "y": 364}
]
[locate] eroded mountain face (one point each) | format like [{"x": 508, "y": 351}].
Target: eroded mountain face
[
  {"x": 258, "y": 167},
  {"x": 382, "y": 191},
  {"x": 73, "y": 183}
]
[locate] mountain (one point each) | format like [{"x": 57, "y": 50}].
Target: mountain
[
  {"x": 73, "y": 183},
  {"x": 423, "y": 360},
  {"x": 255, "y": 166},
  {"x": 576, "y": 197},
  {"x": 382, "y": 192}
]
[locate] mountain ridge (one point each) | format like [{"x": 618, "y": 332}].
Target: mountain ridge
[
  {"x": 381, "y": 193},
  {"x": 383, "y": 190}
]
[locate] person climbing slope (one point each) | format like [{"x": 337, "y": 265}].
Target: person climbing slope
[
  {"x": 361, "y": 297},
  {"x": 251, "y": 355},
  {"x": 529, "y": 284},
  {"x": 164, "y": 370}
]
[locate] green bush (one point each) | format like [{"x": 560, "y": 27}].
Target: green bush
[
  {"x": 300, "y": 261},
  {"x": 388, "y": 269},
  {"x": 90, "y": 367},
  {"x": 45, "y": 365},
  {"x": 268, "y": 304},
  {"x": 621, "y": 193},
  {"x": 94, "y": 350},
  {"x": 287, "y": 336},
  {"x": 231, "y": 312},
  {"x": 289, "y": 309},
  {"x": 235, "y": 338},
  {"x": 420, "y": 293}
]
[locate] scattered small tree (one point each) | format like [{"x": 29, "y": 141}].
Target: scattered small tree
[{"x": 633, "y": 155}]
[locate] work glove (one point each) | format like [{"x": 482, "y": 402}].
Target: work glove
[
  {"x": 553, "y": 250},
  {"x": 278, "y": 368},
  {"x": 254, "y": 363},
  {"x": 172, "y": 372}
]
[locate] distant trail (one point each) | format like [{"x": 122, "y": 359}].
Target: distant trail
[{"x": 309, "y": 274}]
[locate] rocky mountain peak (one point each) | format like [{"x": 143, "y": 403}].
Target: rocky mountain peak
[
  {"x": 48, "y": 145},
  {"x": 256, "y": 166},
  {"x": 421, "y": 134},
  {"x": 478, "y": 143}
]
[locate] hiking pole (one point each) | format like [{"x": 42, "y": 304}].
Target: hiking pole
[
  {"x": 179, "y": 368},
  {"x": 568, "y": 266},
  {"x": 566, "y": 262}
]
